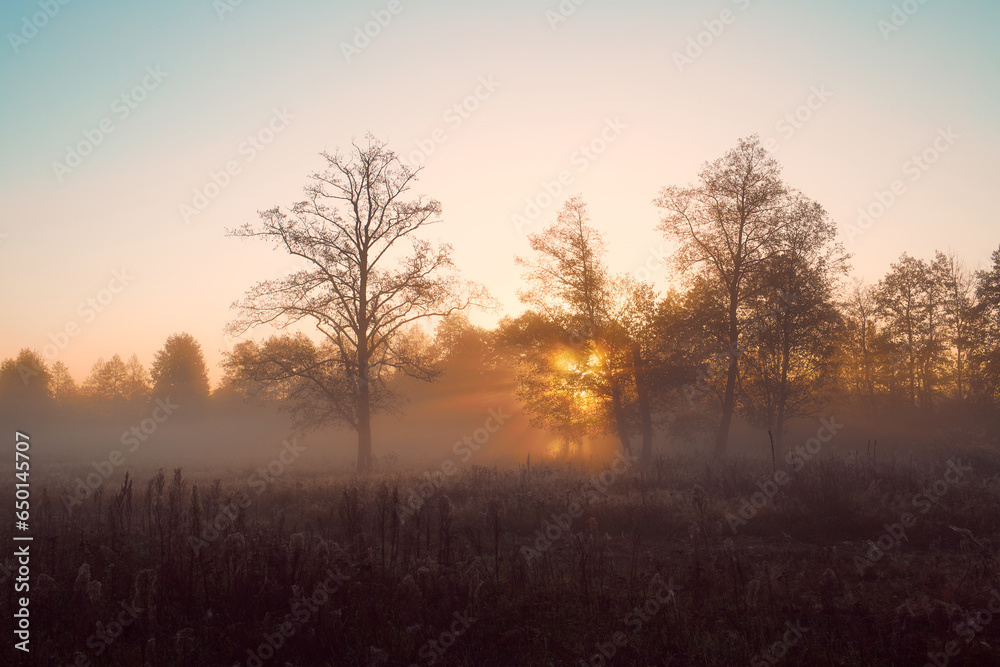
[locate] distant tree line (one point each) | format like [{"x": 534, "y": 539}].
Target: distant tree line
[
  {"x": 764, "y": 322},
  {"x": 113, "y": 388}
]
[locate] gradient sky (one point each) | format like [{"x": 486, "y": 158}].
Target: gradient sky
[{"x": 558, "y": 87}]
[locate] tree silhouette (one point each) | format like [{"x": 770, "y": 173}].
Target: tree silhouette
[
  {"x": 64, "y": 388},
  {"x": 789, "y": 368},
  {"x": 359, "y": 286},
  {"x": 552, "y": 379},
  {"x": 957, "y": 285},
  {"x": 26, "y": 379},
  {"x": 568, "y": 284},
  {"x": 905, "y": 306},
  {"x": 727, "y": 227},
  {"x": 985, "y": 356},
  {"x": 178, "y": 370}
]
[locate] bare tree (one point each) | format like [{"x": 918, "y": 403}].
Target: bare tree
[
  {"x": 360, "y": 287},
  {"x": 727, "y": 228}
]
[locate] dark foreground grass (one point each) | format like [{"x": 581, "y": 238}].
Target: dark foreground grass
[{"x": 848, "y": 561}]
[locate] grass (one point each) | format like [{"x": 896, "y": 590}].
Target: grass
[{"x": 650, "y": 559}]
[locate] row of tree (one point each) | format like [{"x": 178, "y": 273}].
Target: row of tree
[
  {"x": 763, "y": 325},
  {"x": 113, "y": 387}
]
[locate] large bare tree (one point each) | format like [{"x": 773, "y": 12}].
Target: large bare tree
[
  {"x": 727, "y": 227},
  {"x": 366, "y": 280}
]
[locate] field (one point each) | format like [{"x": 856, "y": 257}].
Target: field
[{"x": 827, "y": 558}]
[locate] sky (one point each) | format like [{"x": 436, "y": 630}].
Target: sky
[{"x": 135, "y": 134}]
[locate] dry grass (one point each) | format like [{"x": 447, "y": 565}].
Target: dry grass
[{"x": 793, "y": 562}]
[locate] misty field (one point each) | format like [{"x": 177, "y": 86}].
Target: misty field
[{"x": 827, "y": 558}]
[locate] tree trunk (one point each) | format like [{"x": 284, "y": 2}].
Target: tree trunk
[
  {"x": 619, "y": 412},
  {"x": 364, "y": 371},
  {"x": 779, "y": 420},
  {"x": 364, "y": 414},
  {"x": 961, "y": 379},
  {"x": 364, "y": 427},
  {"x": 912, "y": 365},
  {"x": 645, "y": 411},
  {"x": 729, "y": 401}
]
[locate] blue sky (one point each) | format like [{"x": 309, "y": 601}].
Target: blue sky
[{"x": 555, "y": 89}]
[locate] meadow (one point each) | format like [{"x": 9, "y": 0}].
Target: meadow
[{"x": 834, "y": 558}]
